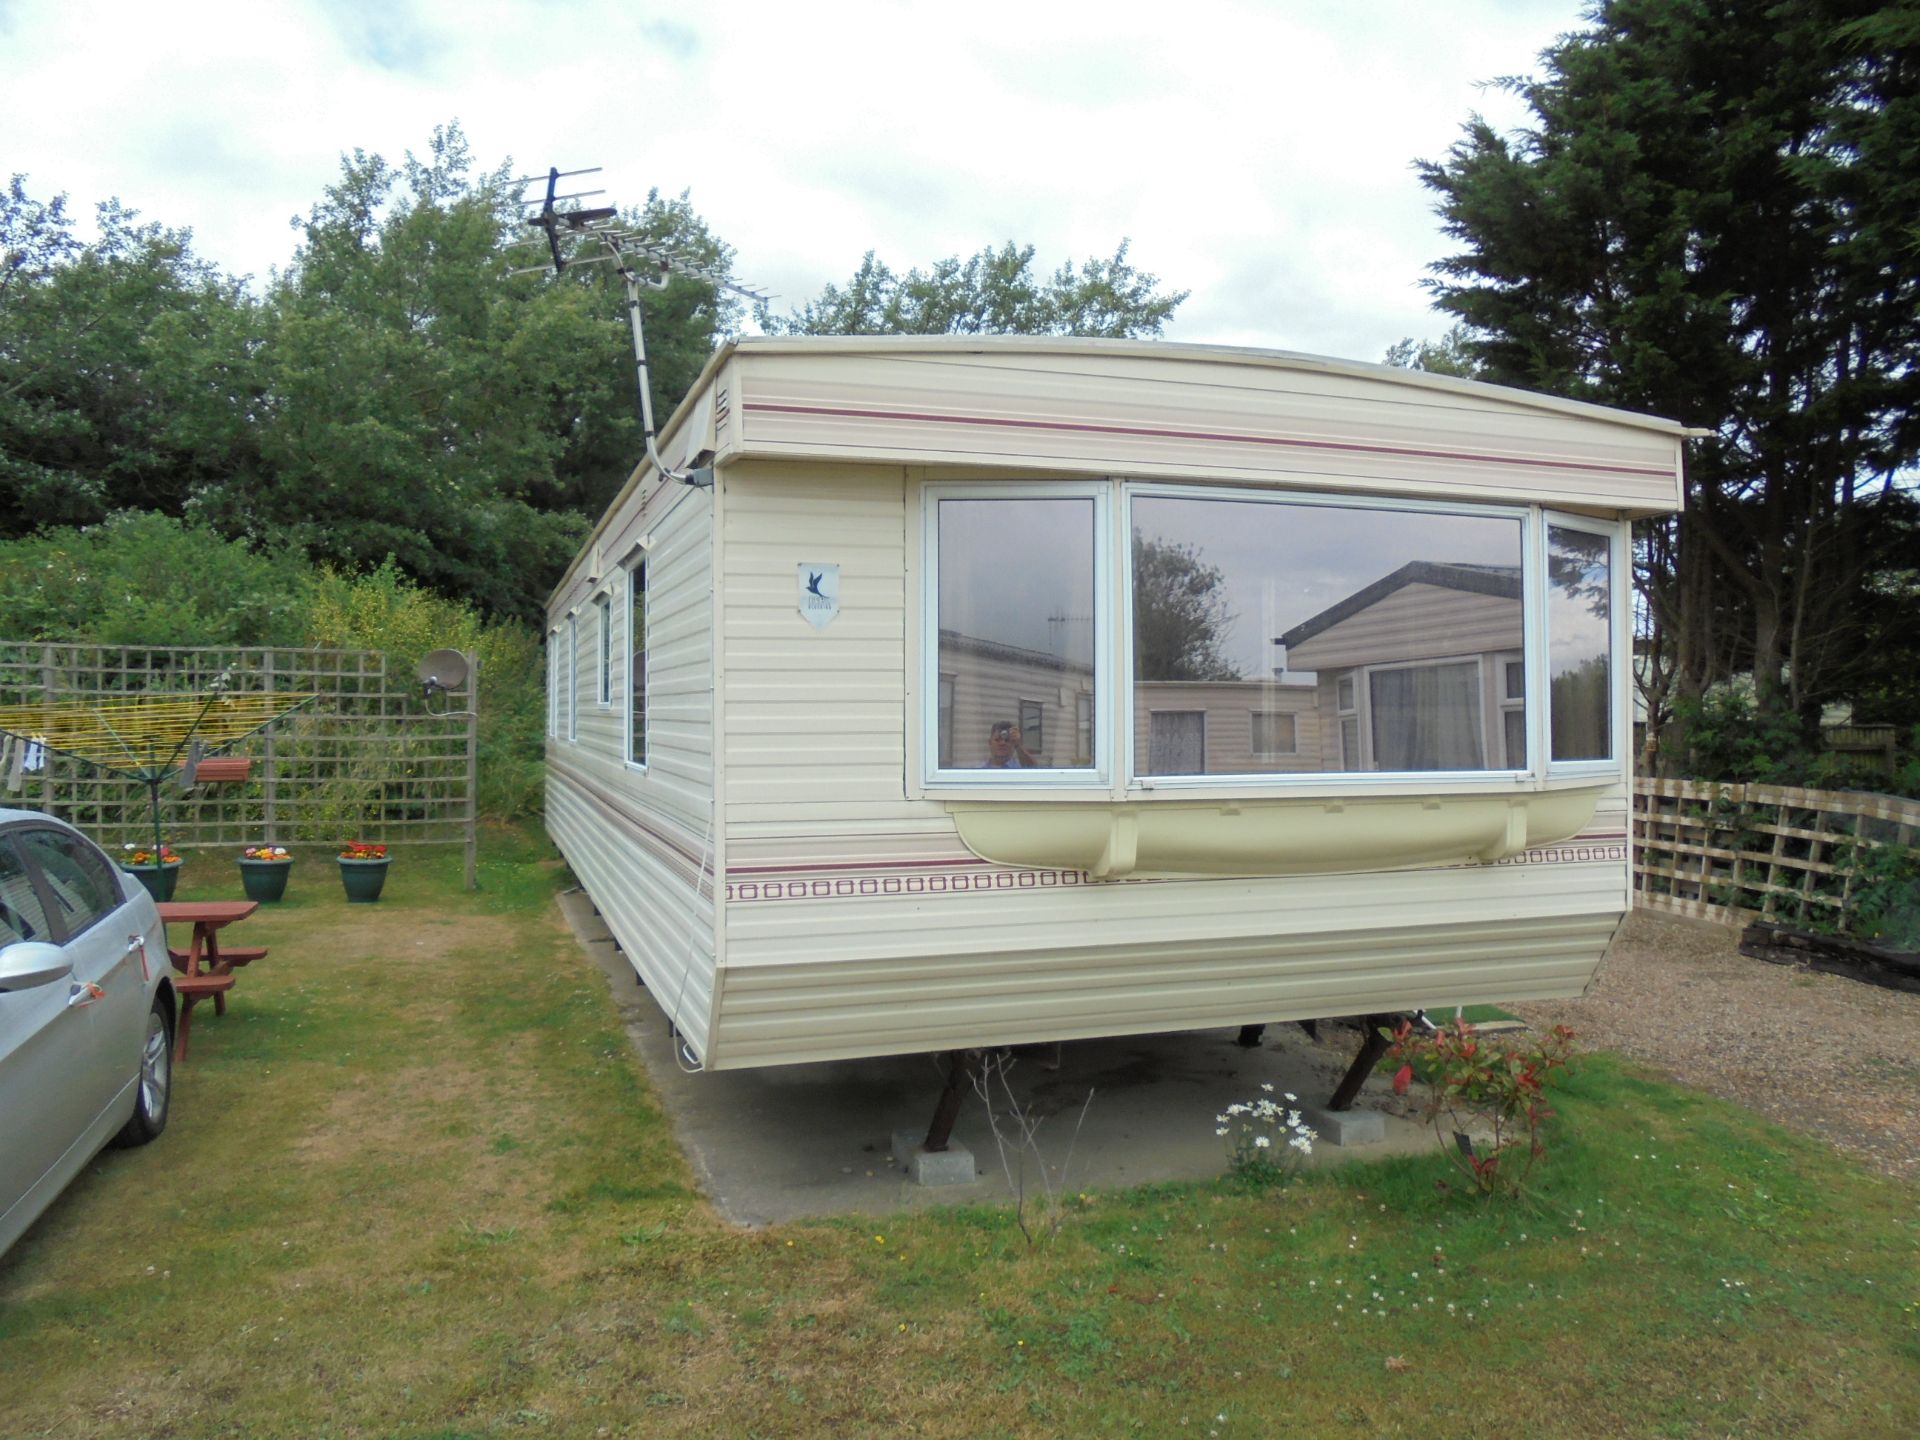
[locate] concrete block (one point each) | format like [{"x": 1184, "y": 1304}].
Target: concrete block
[
  {"x": 1345, "y": 1127},
  {"x": 951, "y": 1166}
]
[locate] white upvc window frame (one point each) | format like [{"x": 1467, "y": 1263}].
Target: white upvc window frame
[
  {"x": 1337, "y": 781},
  {"x": 638, "y": 595},
  {"x": 603, "y": 616},
  {"x": 553, "y": 683},
  {"x": 1505, "y": 704},
  {"x": 1097, "y": 777},
  {"x": 573, "y": 676},
  {"x": 1619, "y": 652}
]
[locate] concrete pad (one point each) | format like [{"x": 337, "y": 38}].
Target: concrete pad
[{"x": 791, "y": 1141}]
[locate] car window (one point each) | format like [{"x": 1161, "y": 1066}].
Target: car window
[
  {"x": 21, "y": 916},
  {"x": 78, "y": 881}
]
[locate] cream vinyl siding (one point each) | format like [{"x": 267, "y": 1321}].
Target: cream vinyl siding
[
  {"x": 1196, "y": 413},
  {"x": 815, "y": 719},
  {"x": 643, "y": 842},
  {"x": 1415, "y": 622},
  {"x": 810, "y": 979}
]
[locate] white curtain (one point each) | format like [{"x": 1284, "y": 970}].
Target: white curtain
[{"x": 1427, "y": 717}]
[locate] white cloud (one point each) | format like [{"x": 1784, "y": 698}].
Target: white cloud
[{"x": 1259, "y": 154}]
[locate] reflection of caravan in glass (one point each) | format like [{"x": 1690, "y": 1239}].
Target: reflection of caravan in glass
[{"x": 1168, "y": 687}]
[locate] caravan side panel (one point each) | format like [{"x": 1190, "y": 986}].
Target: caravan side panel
[
  {"x": 845, "y": 960},
  {"x": 641, "y": 838},
  {"x": 857, "y": 923}
]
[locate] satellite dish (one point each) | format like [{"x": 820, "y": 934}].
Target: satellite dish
[{"x": 442, "y": 670}]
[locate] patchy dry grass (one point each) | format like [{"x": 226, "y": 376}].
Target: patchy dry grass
[{"x": 416, "y": 1186}]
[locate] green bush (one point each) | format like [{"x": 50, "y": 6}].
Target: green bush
[
  {"x": 383, "y": 610},
  {"x": 144, "y": 579},
  {"x": 1728, "y": 738},
  {"x": 147, "y": 579}
]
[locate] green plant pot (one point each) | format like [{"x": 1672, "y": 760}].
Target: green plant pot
[
  {"x": 159, "y": 880},
  {"x": 363, "y": 879},
  {"x": 264, "y": 880}
]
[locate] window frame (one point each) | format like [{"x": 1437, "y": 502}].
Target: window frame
[
  {"x": 603, "y": 610},
  {"x": 52, "y": 902},
  {"x": 639, "y": 596},
  {"x": 1363, "y": 702},
  {"x": 1096, "y": 776},
  {"x": 1114, "y": 714},
  {"x": 573, "y": 677},
  {"x": 33, "y": 890},
  {"x": 1619, "y": 652},
  {"x": 1184, "y": 775},
  {"x": 1253, "y": 739},
  {"x": 1531, "y": 529},
  {"x": 1507, "y": 704},
  {"x": 553, "y": 683}
]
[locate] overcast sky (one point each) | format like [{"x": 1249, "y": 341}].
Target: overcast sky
[{"x": 1257, "y": 154}]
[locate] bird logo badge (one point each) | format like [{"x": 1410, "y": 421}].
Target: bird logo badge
[{"x": 819, "y": 594}]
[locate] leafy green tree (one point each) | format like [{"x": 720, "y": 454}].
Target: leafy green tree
[
  {"x": 420, "y": 404},
  {"x": 1180, "y": 617},
  {"x": 1446, "y": 356},
  {"x": 995, "y": 292},
  {"x": 120, "y": 361},
  {"x": 684, "y": 322},
  {"x": 1710, "y": 217},
  {"x": 141, "y": 578}
]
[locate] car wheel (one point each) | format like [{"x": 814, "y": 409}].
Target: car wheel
[{"x": 155, "y": 1090}]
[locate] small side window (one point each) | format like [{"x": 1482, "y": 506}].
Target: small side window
[
  {"x": 1579, "y": 644},
  {"x": 637, "y": 664},
  {"x": 573, "y": 677},
  {"x": 77, "y": 882},
  {"x": 21, "y": 914},
  {"x": 604, "y": 606}
]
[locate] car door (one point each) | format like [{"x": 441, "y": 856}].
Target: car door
[
  {"x": 102, "y": 937},
  {"x": 46, "y": 1050}
]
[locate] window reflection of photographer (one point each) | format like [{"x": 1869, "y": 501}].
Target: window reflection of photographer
[{"x": 1004, "y": 750}]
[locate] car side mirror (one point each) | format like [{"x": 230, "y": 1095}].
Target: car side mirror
[{"x": 32, "y": 963}]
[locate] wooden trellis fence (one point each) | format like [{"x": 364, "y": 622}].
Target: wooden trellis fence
[
  {"x": 365, "y": 760},
  {"x": 1739, "y": 853}
]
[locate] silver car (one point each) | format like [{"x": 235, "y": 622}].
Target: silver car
[{"x": 86, "y": 1012}]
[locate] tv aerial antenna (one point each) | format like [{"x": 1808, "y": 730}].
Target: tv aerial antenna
[{"x": 595, "y": 236}]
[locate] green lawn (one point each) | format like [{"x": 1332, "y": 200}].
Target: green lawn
[{"x": 416, "y": 1185}]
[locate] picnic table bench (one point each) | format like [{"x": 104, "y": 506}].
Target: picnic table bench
[{"x": 205, "y": 968}]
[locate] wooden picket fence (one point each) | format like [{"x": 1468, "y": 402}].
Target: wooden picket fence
[{"x": 1740, "y": 853}]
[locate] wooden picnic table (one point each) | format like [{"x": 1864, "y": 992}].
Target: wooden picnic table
[{"x": 205, "y": 969}]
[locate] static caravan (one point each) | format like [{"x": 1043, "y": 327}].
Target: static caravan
[{"x": 955, "y": 692}]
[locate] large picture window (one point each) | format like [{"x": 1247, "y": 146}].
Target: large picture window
[
  {"x": 1265, "y": 636},
  {"x": 1015, "y": 584},
  {"x": 637, "y": 664},
  {"x": 1380, "y": 640}
]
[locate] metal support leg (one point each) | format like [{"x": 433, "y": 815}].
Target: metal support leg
[
  {"x": 963, "y": 1067},
  {"x": 1372, "y": 1047},
  {"x": 1249, "y": 1037}
]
